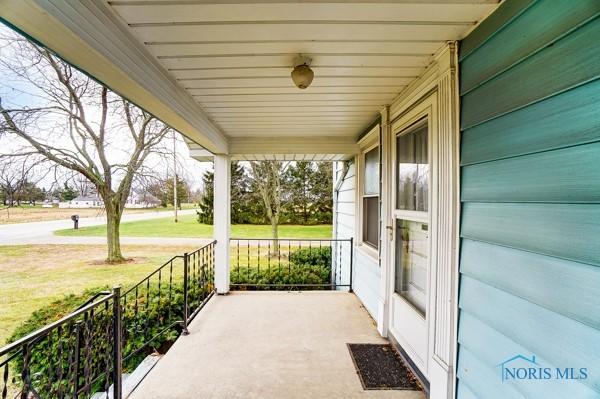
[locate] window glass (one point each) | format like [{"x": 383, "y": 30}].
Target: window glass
[
  {"x": 371, "y": 172},
  {"x": 413, "y": 170},
  {"x": 412, "y": 252},
  {"x": 371, "y": 221}
]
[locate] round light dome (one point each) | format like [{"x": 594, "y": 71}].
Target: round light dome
[{"x": 302, "y": 76}]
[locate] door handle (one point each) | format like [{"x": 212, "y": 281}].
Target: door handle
[{"x": 390, "y": 230}]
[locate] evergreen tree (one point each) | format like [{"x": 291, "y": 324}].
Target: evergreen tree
[
  {"x": 206, "y": 205},
  {"x": 183, "y": 191},
  {"x": 298, "y": 192},
  {"x": 321, "y": 208},
  {"x": 68, "y": 193},
  {"x": 245, "y": 205}
]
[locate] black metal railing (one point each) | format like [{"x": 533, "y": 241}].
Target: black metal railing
[
  {"x": 166, "y": 301},
  {"x": 291, "y": 264},
  {"x": 85, "y": 352},
  {"x": 200, "y": 281},
  {"x": 73, "y": 357}
]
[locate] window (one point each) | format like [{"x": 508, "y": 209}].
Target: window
[
  {"x": 370, "y": 198},
  {"x": 412, "y": 216},
  {"x": 413, "y": 171}
]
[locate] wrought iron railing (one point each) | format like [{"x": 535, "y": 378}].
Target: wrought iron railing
[
  {"x": 167, "y": 299},
  {"x": 70, "y": 358},
  {"x": 85, "y": 352},
  {"x": 291, "y": 264}
]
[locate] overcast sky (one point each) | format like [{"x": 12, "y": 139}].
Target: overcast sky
[{"x": 16, "y": 92}]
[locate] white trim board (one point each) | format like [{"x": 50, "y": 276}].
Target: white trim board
[{"x": 440, "y": 77}]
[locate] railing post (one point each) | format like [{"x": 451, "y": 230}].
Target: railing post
[
  {"x": 185, "y": 294},
  {"x": 117, "y": 344},
  {"x": 77, "y": 360},
  {"x": 26, "y": 373},
  {"x": 351, "y": 260}
]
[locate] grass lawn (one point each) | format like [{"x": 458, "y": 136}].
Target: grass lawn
[
  {"x": 26, "y": 213},
  {"x": 189, "y": 227},
  {"x": 32, "y": 276}
]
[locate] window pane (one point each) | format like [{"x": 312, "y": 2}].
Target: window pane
[
  {"x": 413, "y": 171},
  {"x": 412, "y": 263},
  {"x": 371, "y": 172},
  {"x": 371, "y": 221}
]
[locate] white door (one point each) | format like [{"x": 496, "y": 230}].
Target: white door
[{"x": 412, "y": 231}]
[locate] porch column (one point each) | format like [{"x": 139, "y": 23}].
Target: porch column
[
  {"x": 222, "y": 221},
  {"x": 383, "y": 306}
]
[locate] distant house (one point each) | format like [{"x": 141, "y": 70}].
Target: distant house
[
  {"x": 83, "y": 202},
  {"x": 49, "y": 204},
  {"x": 135, "y": 200},
  {"x": 142, "y": 200}
]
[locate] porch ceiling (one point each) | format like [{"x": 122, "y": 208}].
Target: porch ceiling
[
  {"x": 224, "y": 65},
  {"x": 235, "y": 57}
]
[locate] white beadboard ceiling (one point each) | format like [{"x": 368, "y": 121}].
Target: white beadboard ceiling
[{"x": 235, "y": 57}]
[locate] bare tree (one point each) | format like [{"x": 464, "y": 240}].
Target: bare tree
[
  {"x": 16, "y": 176},
  {"x": 267, "y": 177},
  {"x": 80, "y": 125},
  {"x": 83, "y": 186}
]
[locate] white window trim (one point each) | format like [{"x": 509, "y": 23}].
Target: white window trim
[{"x": 366, "y": 144}]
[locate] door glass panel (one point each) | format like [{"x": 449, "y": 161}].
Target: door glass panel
[
  {"x": 412, "y": 252},
  {"x": 413, "y": 170}
]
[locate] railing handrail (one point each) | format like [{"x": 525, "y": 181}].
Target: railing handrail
[
  {"x": 292, "y": 239},
  {"x": 163, "y": 266},
  {"x": 93, "y": 298},
  {"x": 167, "y": 263},
  {"x": 201, "y": 248},
  {"x": 42, "y": 332}
]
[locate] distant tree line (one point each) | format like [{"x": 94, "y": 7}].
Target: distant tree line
[{"x": 275, "y": 192}]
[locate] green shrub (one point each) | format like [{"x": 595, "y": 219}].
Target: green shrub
[
  {"x": 150, "y": 323},
  {"x": 53, "y": 312},
  {"x": 318, "y": 256},
  {"x": 288, "y": 277},
  {"x": 310, "y": 267}
]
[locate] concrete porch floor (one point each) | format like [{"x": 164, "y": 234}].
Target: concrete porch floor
[{"x": 269, "y": 345}]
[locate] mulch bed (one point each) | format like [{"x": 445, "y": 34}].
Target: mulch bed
[{"x": 380, "y": 367}]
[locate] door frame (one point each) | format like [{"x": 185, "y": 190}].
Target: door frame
[
  {"x": 425, "y": 109},
  {"x": 440, "y": 77}
]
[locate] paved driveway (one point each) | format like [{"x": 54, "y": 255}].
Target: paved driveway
[{"x": 43, "y": 232}]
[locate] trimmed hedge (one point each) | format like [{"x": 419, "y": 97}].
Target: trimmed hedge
[{"x": 308, "y": 266}]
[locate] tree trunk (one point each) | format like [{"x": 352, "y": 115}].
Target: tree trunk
[
  {"x": 113, "y": 222},
  {"x": 275, "y": 235}
]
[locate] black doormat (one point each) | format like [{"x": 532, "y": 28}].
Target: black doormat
[{"x": 380, "y": 367}]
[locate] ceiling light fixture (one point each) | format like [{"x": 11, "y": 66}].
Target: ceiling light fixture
[{"x": 302, "y": 75}]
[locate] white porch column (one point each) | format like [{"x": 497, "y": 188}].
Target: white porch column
[
  {"x": 383, "y": 307},
  {"x": 222, "y": 221}
]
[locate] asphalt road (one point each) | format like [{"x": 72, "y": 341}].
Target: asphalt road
[{"x": 43, "y": 232}]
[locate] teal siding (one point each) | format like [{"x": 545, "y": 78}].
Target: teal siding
[{"x": 530, "y": 192}]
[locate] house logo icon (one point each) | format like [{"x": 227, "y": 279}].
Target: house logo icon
[{"x": 509, "y": 371}]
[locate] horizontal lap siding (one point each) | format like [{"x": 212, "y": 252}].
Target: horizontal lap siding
[
  {"x": 366, "y": 280},
  {"x": 530, "y": 192},
  {"x": 366, "y": 268},
  {"x": 343, "y": 208}
]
